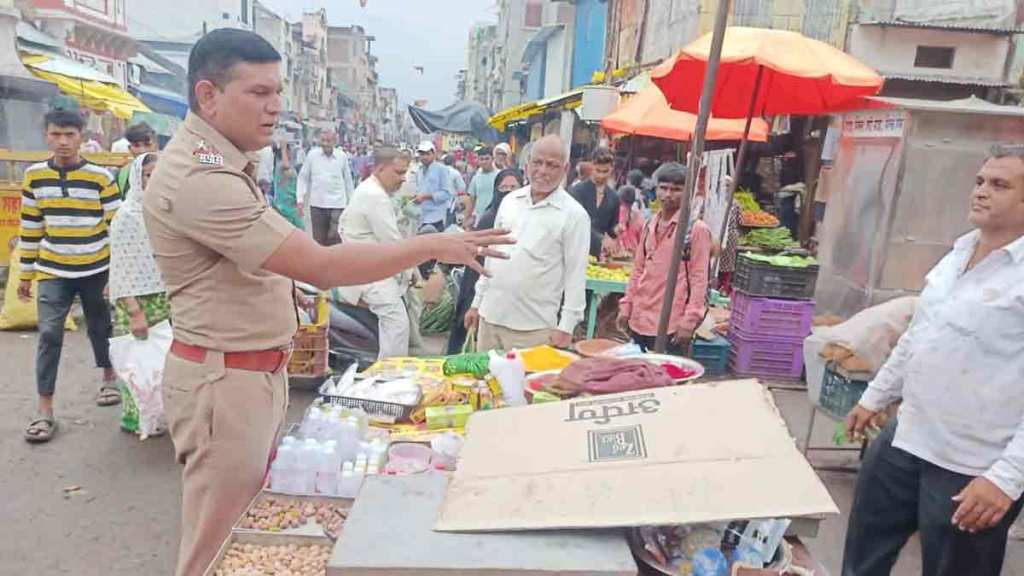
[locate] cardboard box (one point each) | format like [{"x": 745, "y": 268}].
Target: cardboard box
[
  {"x": 389, "y": 533},
  {"x": 679, "y": 455}
]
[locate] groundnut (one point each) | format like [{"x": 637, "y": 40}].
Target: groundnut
[{"x": 281, "y": 560}]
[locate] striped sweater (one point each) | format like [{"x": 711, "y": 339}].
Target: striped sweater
[{"x": 65, "y": 213}]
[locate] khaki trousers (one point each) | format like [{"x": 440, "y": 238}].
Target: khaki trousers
[
  {"x": 494, "y": 337},
  {"x": 224, "y": 424}
]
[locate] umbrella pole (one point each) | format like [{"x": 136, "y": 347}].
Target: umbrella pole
[
  {"x": 741, "y": 157},
  {"x": 700, "y": 134}
]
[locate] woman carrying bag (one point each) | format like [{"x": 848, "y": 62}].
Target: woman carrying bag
[{"x": 136, "y": 287}]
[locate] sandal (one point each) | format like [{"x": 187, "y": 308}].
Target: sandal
[
  {"x": 41, "y": 430},
  {"x": 108, "y": 395}
]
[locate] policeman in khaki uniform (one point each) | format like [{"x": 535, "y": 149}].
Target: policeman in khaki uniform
[{"x": 228, "y": 260}]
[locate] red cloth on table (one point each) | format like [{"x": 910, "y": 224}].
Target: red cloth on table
[{"x": 612, "y": 375}]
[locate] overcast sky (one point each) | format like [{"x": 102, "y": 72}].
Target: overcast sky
[{"x": 428, "y": 33}]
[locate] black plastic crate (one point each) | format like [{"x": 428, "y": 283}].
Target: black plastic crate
[
  {"x": 841, "y": 391},
  {"x": 766, "y": 281}
]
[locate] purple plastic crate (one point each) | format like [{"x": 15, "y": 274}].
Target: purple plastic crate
[
  {"x": 766, "y": 356},
  {"x": 752, "y": 315}
]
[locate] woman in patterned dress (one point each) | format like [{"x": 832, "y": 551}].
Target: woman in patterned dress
[{"x": 136, "y": 287}]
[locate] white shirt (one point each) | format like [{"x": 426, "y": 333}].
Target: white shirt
[
  {"x": 548, "y": 259},
  {"x": 265, "y": 166},
  {"x": 327, "y": 180},
  {"x": 960, "y": 368},
  {"x": 370, "y": 216},
  {"x": 458, "y": 182}
]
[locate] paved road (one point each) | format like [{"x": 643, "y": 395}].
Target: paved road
[{"x": 124, "y": 521}]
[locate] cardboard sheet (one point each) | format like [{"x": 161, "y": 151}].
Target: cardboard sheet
[
  {"x": 679, "y": 455},
  {"x": 389, "y": 533}
]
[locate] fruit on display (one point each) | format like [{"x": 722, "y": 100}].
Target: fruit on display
[
  {"x": 760, "y": 219},
  {"x": 598, "y": 272}
]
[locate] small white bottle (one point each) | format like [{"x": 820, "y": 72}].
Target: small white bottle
[
  {"x": 308, "y": 459},
  {"x": 347, "y": 487},
  {"x": 282, "y": 471},
  {"x": 326, "y": 472}
]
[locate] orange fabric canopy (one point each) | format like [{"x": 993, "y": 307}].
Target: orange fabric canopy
[
  {"x": 801, "y": 75},
  {"x": 648, "y": 114}
]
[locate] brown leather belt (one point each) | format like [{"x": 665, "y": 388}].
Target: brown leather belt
[{"x": 271, "y": 361}]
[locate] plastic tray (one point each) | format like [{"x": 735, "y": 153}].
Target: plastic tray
[
  {"x": 311, "y": 529},
  {"x": 262, "y": 539},
  {"x": 379, "y": 410},
  {"x": 766, "y": 357},
  {"x": 771, "y": 316},
  {"x": 840, "y": 392},
  {"x": 764, "y": 280},
  {"x": 712, "y": 354}
]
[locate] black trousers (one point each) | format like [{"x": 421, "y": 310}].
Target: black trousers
[
  {"x": 646, "y": 343},
  {"x": 54, "y": 298},
  {"x": 899, "y": 494}
]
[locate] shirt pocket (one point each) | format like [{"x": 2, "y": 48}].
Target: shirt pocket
[{"x": 992, "y": 322}]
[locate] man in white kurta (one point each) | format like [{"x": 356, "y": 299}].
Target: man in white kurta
[{"x": 370, "y": 217}]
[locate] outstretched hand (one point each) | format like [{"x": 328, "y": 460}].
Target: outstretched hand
[{"x": 463, "y": 248}]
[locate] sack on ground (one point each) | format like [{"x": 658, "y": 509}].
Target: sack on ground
[
  {"x": 140, "y": 363},
  {"x": 18, "y": 315},
  {"x": 864, "y": 342}
]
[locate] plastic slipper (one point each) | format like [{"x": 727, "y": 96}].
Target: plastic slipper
[
  {"x": 41, "y": 430},
  {"x": 108, "y": 395}
]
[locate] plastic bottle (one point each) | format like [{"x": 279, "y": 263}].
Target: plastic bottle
[
  {"x": 307, "y": 469},
  {"x": 327, "y": 471},
  {"x": 282, "y": 471},
  {"x": 347, "y": 487},
  {"x": 511, "y": 374}
]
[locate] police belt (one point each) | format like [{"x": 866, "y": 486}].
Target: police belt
[{"x": 271, "y": 361}]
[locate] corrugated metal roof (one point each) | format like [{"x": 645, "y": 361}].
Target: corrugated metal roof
[
  {"x": 939, "y": 79},
  {"x": 936, "y": 25}
]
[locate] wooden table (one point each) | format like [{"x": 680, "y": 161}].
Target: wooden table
[{"x": 599, "y": 289}]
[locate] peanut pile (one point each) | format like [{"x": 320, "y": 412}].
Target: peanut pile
[
  {"x": 259, "y": 560},
  {"x": 279, "y": 514}
]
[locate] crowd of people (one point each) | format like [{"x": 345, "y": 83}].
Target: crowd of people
[{"x": 200, "y": 235}]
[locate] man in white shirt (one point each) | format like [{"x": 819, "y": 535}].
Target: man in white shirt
[
  {"x": 951, "y": 465},
  {"x": 326, "y": 181},
  {"x": 370, "y": 217},
  {"x": 518, "y": 306}
]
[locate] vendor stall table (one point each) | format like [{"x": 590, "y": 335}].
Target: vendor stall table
[{"x": 598, "y": 290}]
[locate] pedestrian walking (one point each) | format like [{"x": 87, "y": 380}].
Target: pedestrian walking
[
  {"x": 66, "y": 206},
  {"x": 141, "y": 139},
  {"x": 136, "y": 289},
  {"x": 228, "y": 261},
  {"x": 326, "y": 183},
  {"x": 537, "y": 295},
  {"x": 950, "y": 466},
  {"x": 481, "y": 188}
]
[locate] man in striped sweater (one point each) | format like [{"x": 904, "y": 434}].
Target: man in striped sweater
[{"x": 66, "y": 205}]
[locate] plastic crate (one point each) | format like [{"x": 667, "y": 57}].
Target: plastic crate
[
  {"x": 840, "y": 391},
  {"x": 713, "y": 355},
  {"x": 310, "y": 346},
  {"x": 771, "y": 316},
  {"x": 771, "y": 357},
  {"x": 764, "y": 280}
]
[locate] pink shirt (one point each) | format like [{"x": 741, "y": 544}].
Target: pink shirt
[{"x": 646, "y": 289}]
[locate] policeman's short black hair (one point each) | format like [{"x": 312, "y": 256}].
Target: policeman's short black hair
[
  {"x": 63, "y": 118},
  {"x": 214, "y": 56}
]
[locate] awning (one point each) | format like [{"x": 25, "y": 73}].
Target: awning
[
  {"x": 520, "y": 112},
  {"x": 163, "y": 101},
  {"x": 89, "y": 86},
  {"x": 163, "y": 124}
]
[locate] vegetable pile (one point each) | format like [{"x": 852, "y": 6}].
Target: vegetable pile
[
  {"x": 751, "y": 214},
  {"x": 438, "y": 318},
  {"x": 771, "y": 238}
]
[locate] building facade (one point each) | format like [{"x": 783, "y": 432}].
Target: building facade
[
  {"x": 482, "y": 52},
  {"x": 94, "y": 32},
  {"x": 183, "y": 20},
  {"x": 353, "y": 75}
]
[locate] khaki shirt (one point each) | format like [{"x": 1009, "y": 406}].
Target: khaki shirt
[{"x": 211, "y": 231}]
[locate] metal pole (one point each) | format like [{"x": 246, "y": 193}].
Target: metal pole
[
  {"x": 741, "y": 157},
  {"x": 700, "y": 133}
]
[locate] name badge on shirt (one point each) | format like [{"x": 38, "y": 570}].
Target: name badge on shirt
[{"x": 205, "y": 154}]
